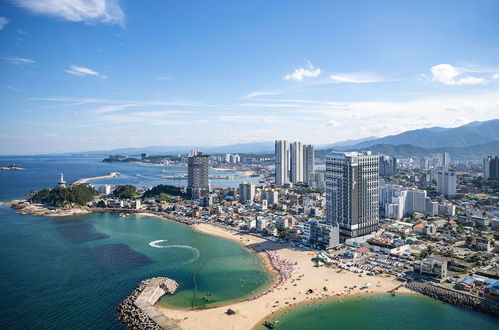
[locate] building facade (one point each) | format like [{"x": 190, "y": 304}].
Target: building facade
[
  {"x": 446, "y": 182},
  {"x": 387, "y": 166},
  {"x": 246, "y": 192},
  {"x": 491, "y": 168},
  {"x": 352, "y": 192},
  {"x": 198, "y": 180},
  {"x": 296, "y": 165},
  {"x": 281, "y": 162},
  {"x": 308, "y": 162}
]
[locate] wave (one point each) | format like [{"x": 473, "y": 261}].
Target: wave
[{"x": 195, "y": 252}]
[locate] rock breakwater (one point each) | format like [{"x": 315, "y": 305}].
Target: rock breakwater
[
  {"x": 137, "y": 311},
  {"x": 455, "y": 297}
]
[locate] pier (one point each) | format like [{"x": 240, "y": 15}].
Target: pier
[
  {"x": 456, "y": 297},
  {"x": 86, "y": 180},
  {"x": 137, "y": 311}
]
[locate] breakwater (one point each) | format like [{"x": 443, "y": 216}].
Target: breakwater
[
  {"x": 455, "y": 297},
  {"x": 137, "y": 311}
]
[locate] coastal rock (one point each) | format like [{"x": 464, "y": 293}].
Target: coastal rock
[
  {"x": 137, "y": 311},
  {"x": 25, "y": 207}
]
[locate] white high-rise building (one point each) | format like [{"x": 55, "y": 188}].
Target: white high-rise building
[
  {"x": 105, "y": 189},
  {"x": 246, "y": 191},
  {"x": 308, "y": 161},
  {"x": 446, "y": 182},
  {"x": 296, "y": 168},
  {"x": 352, "y": 188},
  {"x": 281, "y": 162}
]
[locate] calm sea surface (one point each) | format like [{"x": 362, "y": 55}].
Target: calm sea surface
[{"x": 71, "y": 273}]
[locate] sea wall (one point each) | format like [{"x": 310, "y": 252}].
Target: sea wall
[
  {"x": 455, "y": 297},
  {"x": 137, "y": 311}
]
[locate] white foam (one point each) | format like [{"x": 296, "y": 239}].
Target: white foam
[{"x": 195, "y": 252}]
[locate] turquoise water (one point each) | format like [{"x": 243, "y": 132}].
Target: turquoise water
[
  {"x": 72, "y": 272},
  {"x": 382, "y": 312}
]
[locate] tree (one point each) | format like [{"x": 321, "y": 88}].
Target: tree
[
  {"x": 61, "y": 196},
  {"x": 126, "y": 191}
]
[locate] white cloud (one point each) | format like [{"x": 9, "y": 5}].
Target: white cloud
[
  {"x": 495, "y": 76},
  {"x": 254, "y": 94},
  {"x": 3, "y": 21},
  {"x": 113, "y": 108},
  {"x": 333, "y": 122},
  {"x": 19, "y": 60},
  {"x": 88, "y": 11},
  {"x": 450, "y": 75},
  {"x": 162, "y": 78},
  {"x": 358, "y": 78},
  {"x": 298, "y": 74},
  {"x": 82, "y": 71}
]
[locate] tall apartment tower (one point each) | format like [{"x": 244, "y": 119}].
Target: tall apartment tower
[
  {"x": 198, "y": 180},
  {"x": 296, "y": 167},
  {"x": 308, "y": 161},
  {"x": 281, "y": 162},
  {"x": 387, "y": 166},
  {"x": 446, "y": 182},
  {"x": 491, "y": 168},
  {"x": 246, "y": 191},
  {"x": 352, "y": 192}
]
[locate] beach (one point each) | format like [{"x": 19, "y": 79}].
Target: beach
[{"x": 324, "y": 282}]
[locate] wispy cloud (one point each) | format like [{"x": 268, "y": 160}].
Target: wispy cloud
[
  {"x": 88, "y": 11},
  {"x": 113, "y": 108},
  {"x": 12, "y": 88},
  {"x": 255, "y": 94},
  {"x": 357, "y": 78},
  {"x": 162, "y": 78},
  {"x": 267, "y": 105},
  {"x": 299, "y": 74},
  {"x": 82, "y": 71},
  {"x": 451, "y": 75},
  {"x": 495, "y": 76},
  {"x": 3, "y": 21},
  {"x": 19, "y": 60}
]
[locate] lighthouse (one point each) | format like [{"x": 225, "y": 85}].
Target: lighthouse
[{"x": 61, "y": 183}]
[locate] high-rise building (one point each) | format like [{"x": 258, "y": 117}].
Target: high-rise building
[
  {"x": 105, "y": 189},
  {"x": 352, "y": 188},
  {"x": 281, "y": 162},
  {"x": 246, "y": 191},
  {"x": 387, "y": 166},
  {"x": 445, "y": 159},
  {"x": 308, "y": 161},
  {"x": 198, "y": 180},
  {"x": 446, "y": 182},
  {"x": 296, "y": 167},
  {"x": 491, "y": 168}
]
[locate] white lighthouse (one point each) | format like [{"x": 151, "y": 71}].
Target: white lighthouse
[{"x": 61, "y": 183}]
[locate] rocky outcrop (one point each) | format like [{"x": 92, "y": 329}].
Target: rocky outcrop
[
  {"x": 455, "y": 297},
  {"x": 25, "y": 207},
  {"x": 137, "y": 311}
]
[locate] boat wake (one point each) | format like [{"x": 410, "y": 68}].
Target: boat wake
[{"x": 195, "y": 252}]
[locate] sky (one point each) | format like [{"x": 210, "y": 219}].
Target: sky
[{"x": 80, "y": 75}]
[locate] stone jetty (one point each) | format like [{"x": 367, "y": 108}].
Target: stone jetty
[
  {"x": 137, "y": 311},
  {"x": 455, "y": 297}
]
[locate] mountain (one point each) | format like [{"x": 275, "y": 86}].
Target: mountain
[
  {"x": 252, "y": 147},
  {"x": 467, "y": 135},
  {"x": 345, "y": 142},
  {"x": 406, "y": 150}
]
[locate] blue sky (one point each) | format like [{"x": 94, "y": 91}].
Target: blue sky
[{"x": 95, "y": 75}]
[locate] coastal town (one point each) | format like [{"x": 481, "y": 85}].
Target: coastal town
[{"x": 435, "y": 224}]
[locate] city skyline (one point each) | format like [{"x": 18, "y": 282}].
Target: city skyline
[{"x": 115, "y": 74}]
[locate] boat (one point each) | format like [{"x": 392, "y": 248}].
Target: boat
[{"x": 269, "y": 325}]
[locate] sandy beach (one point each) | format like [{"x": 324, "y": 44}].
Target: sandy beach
[{"x": 325, "y": 283}]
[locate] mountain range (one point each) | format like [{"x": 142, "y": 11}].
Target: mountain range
[{"x": 470, "y": 141}]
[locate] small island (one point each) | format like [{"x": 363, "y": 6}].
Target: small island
[{"x": 12, "y": 167}]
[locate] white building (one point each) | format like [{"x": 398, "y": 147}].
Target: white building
[
  {"x": 352, "y": 192},
  {"x": 246, "y": 192},
  {"x": 105, "y": 189},
  {"x": 281, "y": 162},
  {"x": 446, "y": 182},
  {"x": 296, "y": 167}
]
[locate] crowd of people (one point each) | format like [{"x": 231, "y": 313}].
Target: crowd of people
[{"x": 283, "y": 267}]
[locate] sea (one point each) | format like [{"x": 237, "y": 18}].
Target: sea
[{"x": 72, "y": 272}]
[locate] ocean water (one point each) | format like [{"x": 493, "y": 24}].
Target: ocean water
[
  {"x": 382, "y": 312},
  {"x": 72, "y": 272}
]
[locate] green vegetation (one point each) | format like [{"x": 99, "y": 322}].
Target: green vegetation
[
  {"x": 160, "y": 159},
  {"x": 164, "y": 189},
  {"x": 73, "y": 195},
  {"x": 126, "y": 191},
  {"x": 127, "y": 160},
  {"x": 166, "y": 198},
  {"x": 481, "y": 183}
]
